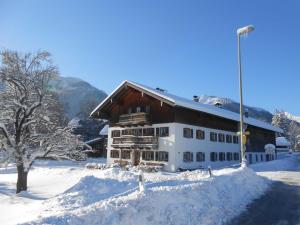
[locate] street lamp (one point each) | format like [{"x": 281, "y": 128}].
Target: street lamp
[{"x": 240, "y": 32}]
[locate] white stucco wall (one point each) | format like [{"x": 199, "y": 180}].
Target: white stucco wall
[
  {"x": 175, "y": 144},
  {"x": 196, "y": 145}
]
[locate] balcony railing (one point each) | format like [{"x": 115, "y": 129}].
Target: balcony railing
[
  {"x": 140, "y": 118},
  {"x": 135, "y": 142}
]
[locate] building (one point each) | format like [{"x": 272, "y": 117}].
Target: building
[
  {"x": 152, "y": 127},
  {"x": 282, "y": 145},
  {"x": 98, "y": 145}
]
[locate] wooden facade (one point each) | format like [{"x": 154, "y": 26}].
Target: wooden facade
[{"x": 130, "y": 98}]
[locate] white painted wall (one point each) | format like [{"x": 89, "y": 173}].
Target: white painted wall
[
  {"x": 196, "y": 145},
  {"x": 176, "y": 145}
]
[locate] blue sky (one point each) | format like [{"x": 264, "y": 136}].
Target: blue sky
[{"x": 186, "y": 47}]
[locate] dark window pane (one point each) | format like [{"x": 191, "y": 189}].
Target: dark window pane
[{"x": 200, "y": 134}]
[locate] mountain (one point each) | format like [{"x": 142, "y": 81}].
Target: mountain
[
  {"x": 78, "y": 97},
  {"x": 292, "y": 117},
  {"x": 228, "y": 104}
]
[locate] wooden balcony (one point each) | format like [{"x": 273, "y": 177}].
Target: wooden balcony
[
  {"x": 130, "y": 141},
  {"x": 134, "y": 119}
]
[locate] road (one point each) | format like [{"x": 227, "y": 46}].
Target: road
[{"x": 280, "y": 205}]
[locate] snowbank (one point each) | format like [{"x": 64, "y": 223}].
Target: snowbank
[
  {"x": 183, "y": 198},
  {"x": 285, "y": 162},
  {"x": 87, "y": 191}
]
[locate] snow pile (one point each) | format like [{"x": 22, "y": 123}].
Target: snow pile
[
  {"x": 184, "y": 198},
  {"x": 118, "y": 174},
  {"x": 87, "y": 191},
  {"x": 286, "y": 162}
]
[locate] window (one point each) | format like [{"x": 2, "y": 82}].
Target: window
[
  {"x": 138, "y": 109},
  {"x": 235, "y": 139},
  {"x": 261, "y": 157},
  {"x": 200, "y": 156},
  {"x": 125, "y": 154},
  {"x": 213, "y": 136},
  {"x": 162, "y": 156},
  {"x": 200, "y": 134},
  {"x": 256, "y": 157},
  {"x": 114, "y": 154},
  {"x": 229, "y": 156},
  {"x": 213, "y": 156},
  {"x": 221, "y": 137},
  {"x": 221, "y": 156},
  {"x": 228, "y": 138},
  {"x": 115, "y": 133},
  {"x": 148, "y": 155},
  {"x": 148, "y": 132},
  {"x": 162, "y": 131},
  {"x": 236, "y": 156},
  {"x": 187, "y": 133},
  {"x": 137, "y": 132},
  {"x": 188, "y": 157},
  {"x": 127, "y": 132}
]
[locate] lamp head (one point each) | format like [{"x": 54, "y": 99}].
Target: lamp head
[{"x": 245, "y": 30}]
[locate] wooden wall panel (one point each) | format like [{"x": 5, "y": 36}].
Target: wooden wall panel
[
  {"x": 159, "y": 113},
  {"x": 187, "y": 116}
]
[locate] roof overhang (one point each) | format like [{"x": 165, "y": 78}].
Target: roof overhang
[
  {"x": 182, "y": 102},
  {"x": 126, "y": 84}
]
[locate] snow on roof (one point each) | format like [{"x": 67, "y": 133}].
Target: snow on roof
[
  {"x": 190, "y": 104},
  {"x": 282, "y": 141},
  {"x": 94, "y": 140},
  {"x": 104, "y": 130}
]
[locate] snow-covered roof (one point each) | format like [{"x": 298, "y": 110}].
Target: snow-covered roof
[
  {"x": 104, "y": 130},
  {"x": 282, "y": 141},
  {"x": 190, "y": 104},
  {"x": 94, "y": 140}
]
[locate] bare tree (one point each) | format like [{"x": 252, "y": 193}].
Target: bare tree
[{"x": 29, "y": 119}]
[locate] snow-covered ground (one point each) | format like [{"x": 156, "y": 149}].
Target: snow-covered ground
[
  {"x": 273, "y": 170},
  {"x": 68, "y": 193}
]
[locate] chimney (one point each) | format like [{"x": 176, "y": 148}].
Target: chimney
[
  {"x": 218, "y": 104},
  {"x": 159, "y": 89},
  {"x": 196, "y": 98}
]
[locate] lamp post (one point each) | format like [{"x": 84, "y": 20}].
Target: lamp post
[{"x": 240, "y": 32}]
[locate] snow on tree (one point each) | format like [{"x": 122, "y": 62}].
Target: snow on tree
[
  {"x": 280, "y": 120},
  {"x": 30, "y": 119},
  {"x": 291, "y": 128},
  {"x": 293, "y": 134}
]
